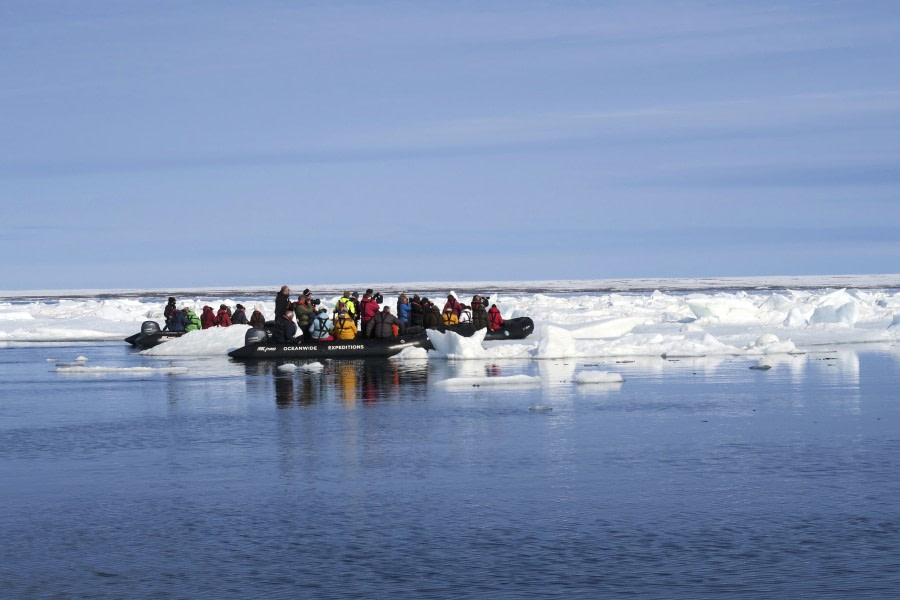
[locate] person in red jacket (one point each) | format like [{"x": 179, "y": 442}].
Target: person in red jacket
[
  {"x": 223, "y": 317},
  {"x": 208, "y": 318},
  {"x": 494, "y": 318},
  {"x": 368, "y": 308},
  {"x": 454, "y": 305}
]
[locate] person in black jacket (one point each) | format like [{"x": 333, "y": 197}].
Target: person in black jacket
[
  {"x": 432, "y": 317},
  {"x": 285, "y": 329},
  {"x": 282, "y": 301},
  {"x": 416, "y": 312},
  {"x": 239, "y": 317},
  {"x": 169, "y": 311}
]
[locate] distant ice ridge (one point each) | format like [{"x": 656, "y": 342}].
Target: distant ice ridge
[{"x": 567, "y": 325}]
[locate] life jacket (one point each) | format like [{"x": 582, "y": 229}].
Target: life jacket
[
  {"x": 319, "y": 327},
  {"x": 369, "y": 308},
  {"x": 344, "y": 327},
  {"x": 496, "y": 321},
  {"x": 345, "y": 303}
]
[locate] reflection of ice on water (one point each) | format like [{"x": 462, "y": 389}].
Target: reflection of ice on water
[{"x": 557, "y": 372}]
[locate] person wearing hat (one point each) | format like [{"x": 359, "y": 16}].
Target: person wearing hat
[
  {"x": 320, "y": 328},
  {"x": 354, "y": 299},
  {"x": 223, "y": 317},
  {"x": 417, "y": 312},
  {"x": 449, "y": 318},
  {"x": 168, "y": 311},
  {"x": 345, "y": 302},
  {"x": 454, "y": 306},
  {"x": 432, "y": 317},
  {"x": 344, "y": 326},
  {"x": 304, "y": 311},
  {"x": 239, "y": 317}
]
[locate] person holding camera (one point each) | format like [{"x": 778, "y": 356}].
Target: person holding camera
[{"x": 368, "y": 308}]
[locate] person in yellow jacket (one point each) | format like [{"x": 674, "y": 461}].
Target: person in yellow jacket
[
  {"x": 344, "y": 326},
  {"x": 345, "y": 302},
  {"x": 449, "y": 317}
]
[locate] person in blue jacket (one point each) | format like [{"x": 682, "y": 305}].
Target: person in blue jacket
[
  {"x": 178, "y": 321},
  {"x": 404, "y": 309},
  {"x": 320, "y": 327}
]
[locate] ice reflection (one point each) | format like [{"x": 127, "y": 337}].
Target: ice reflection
[
  {"x": 556, "y": 372},
  {"x": 598, "y": 389}
]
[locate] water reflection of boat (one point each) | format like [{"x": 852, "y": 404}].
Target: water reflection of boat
[{"x": 343, "y": 381}]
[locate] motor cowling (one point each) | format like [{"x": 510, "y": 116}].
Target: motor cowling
[
  {"x": 256, "y": 336},
  {"x": 150, "y": 328}
]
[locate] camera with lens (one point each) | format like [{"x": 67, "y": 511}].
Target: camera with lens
[{"x": 316, "y": 302}]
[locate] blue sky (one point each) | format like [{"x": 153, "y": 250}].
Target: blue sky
[{"x": 170, "y": 144}]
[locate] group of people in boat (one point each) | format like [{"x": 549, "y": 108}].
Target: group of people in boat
[
  {"x": 368, "y": 316},
  {"x": 185, "y": 319},
  {"x": 350, "y": 318}
]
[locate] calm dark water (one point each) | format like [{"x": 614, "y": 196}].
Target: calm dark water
[{"x": 694, "y": 478}]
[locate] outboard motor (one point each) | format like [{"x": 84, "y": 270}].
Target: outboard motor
[
  {"x": 150, "y": 328},
  {"x": 256, "y": 336}
]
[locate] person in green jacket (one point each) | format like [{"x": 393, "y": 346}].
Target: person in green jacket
[
  {"x": 193, "y": 321},
  {"x": 304, "y": 311}
]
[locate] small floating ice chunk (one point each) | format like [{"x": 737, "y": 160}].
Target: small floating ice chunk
[
  {"x": 411, "y": 354},
  {"x": 598, "y": 377},
  {"x": 313, "y": 367},
  {"x": 452, "y": 345},
  {"x": 467, "y": 382},
  {"x": 81, "y": 359},
  {"x": 287, "y": 368}
]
